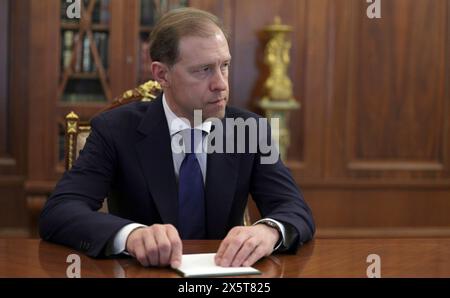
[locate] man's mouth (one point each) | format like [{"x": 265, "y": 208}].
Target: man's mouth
[{"x": 216, "y": 101}]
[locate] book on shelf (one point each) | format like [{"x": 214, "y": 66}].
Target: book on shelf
[
  {"x": 87, "y": 60},
  {"x": 101, "y": 12},
  {"x": 78, "y": 49},
  {"x": 147, "y": 12},
  {"x": 69, "y": 44},
  {"x": 84, "y": 59},
  {"x": 67, "y": 48},
  {"x": 101, "y": 43},
  {"x": 102, "y": 40},
  {"x": 96, "y": 12},
  {"x": 104, "y": 11}
]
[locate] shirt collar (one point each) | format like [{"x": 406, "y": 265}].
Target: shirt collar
[{"x": 177, "y": 124}]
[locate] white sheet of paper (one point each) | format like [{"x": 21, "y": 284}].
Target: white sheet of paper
[{"x": 203, "y": 265}]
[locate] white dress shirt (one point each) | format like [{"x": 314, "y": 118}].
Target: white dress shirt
[{"x": 178, "y": 126}]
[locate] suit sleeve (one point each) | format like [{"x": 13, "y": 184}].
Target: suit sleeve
[
  {"x": 70, "y": 214},
  {"x": 277, "y": 196}
]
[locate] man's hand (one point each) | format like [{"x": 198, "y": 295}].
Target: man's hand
[
  {"x": 243, "y": 246},
  {"x": 157, "y": 245}
]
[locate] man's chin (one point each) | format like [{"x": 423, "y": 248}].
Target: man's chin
[{"x": 217, "y": 114}]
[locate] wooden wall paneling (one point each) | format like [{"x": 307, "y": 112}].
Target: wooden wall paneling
[
  {"x": 42, "y": 102},
  {"x": 4, "y": 144},
  {"x": 123, "y": 45},
  {"x": 338, "y": 59},
  {"x": 410, "y": 138},
  {"x": 10, "y": 127},
  {"x": 386, "y": 122},
  {"x": 380, "y": 211},
  {"x": 131, "y": 44},
  {"x": 42, "y": 86},
  {"x": 297, "y": 152},
  {"x": 13, "y": 213},
  {"x": 17, "y": 60},
  {"x": 390, "y": 102},
  {"x": 312, "y": 87},
  {"x": 13, "y": 77}
]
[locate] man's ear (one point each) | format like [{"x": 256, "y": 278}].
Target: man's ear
[{"x": 160, "y": 73}]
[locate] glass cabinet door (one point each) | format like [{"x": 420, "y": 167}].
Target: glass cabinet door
[{"x": 84, "y": 53}]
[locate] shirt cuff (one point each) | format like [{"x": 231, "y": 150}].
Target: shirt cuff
[
  {"x": 282, "y": 230},
  {"x": 118, "y": 244}
]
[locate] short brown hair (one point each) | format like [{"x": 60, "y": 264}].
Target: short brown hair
[{"x": 174, "y": 25}]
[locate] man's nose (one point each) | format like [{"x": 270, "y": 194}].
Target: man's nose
[{"x": 219, "y": 81}]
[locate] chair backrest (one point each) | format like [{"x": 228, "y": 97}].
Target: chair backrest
[{"x": 77, "y": 131}]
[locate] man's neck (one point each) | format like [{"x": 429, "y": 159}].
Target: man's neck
[{"x": 175, "y": 121}]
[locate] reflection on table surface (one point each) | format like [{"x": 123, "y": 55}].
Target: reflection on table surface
[{"x": 427, "y": 257}]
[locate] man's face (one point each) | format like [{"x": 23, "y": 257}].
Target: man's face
[{"x": 199, "y": 79}]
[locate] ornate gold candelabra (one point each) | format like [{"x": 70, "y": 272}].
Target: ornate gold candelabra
[{"x": 279, "y": 99}]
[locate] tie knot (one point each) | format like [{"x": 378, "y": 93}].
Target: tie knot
[{"x": 192, "y": 138}]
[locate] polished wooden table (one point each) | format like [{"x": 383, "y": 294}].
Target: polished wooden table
[{"x": 427, "y": 257}]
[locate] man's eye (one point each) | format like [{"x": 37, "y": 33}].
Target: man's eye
[
  {"x": 204, "y": 69},
  {"x": 225, "y": 66}
]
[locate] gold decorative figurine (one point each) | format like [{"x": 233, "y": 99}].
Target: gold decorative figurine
[{"x": 279, "y": 99}]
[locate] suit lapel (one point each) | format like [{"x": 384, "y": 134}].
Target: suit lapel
[{"x": 155, "y": 156}]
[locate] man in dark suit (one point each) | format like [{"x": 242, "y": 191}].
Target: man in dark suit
[{"x": 157, "y": 195}]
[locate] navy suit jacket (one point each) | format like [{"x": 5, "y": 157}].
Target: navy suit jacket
[{"x": 128, "y": 158}]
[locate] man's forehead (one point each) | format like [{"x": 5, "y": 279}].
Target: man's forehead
[{"x": 196, "y": 49}]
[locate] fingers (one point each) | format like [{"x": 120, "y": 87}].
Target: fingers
[
  {"x": 140, "y": 253},
  {"x": 157, "y": 245},
  {"x": 230, "y": 247},
  {"x": 151, "y": 249},
  {"x": 177, "y": 247},
  {"x": 257, "y": 254},
  {"x": 243, "y": 246},
  {"x": 246, "y": 250},
  {"x": 163, "y": 244},
  {"x": 224, "y": 245},
  {"x": 222, "y": 248}
]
